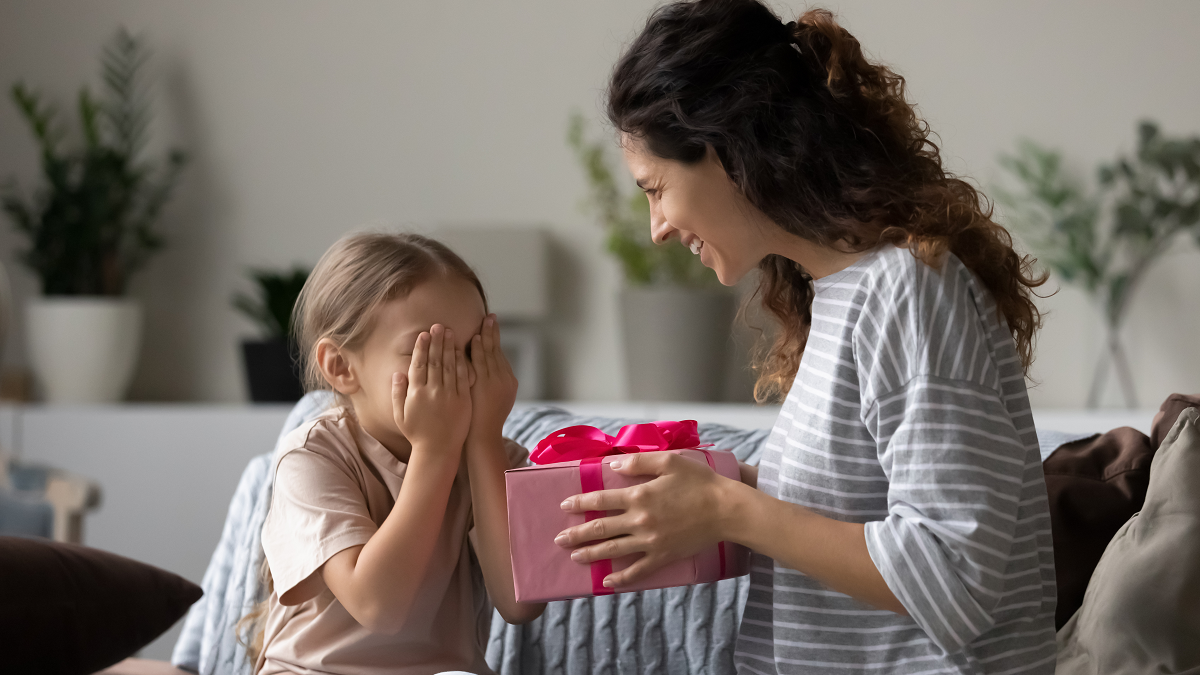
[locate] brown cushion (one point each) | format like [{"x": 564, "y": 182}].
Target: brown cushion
[
  {"x": 67, "y": 609},
  {"x": 1141, "y": 613},
  {"x": 1094, "y": 485}
]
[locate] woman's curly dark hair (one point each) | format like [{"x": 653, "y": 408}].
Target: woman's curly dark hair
[{"x": 822, "y": 141}]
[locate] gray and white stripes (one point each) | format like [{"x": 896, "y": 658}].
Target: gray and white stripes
[{"x": 909, "y": 414}]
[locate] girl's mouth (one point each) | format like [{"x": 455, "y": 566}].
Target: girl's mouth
[{"x": 696, "y": 246}]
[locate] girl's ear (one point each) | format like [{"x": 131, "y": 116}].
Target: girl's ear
[{"x": 335, "y": 368}]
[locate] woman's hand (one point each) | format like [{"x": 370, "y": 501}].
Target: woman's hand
[
  {"x": 676, "y": 515},
  {"x": 432, "y": 403},
  {"x": 495, "y": 387}
]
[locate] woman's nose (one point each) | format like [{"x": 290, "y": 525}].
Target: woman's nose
[{"x": 660, "y": 229}]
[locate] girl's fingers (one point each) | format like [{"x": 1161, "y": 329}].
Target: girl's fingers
[
  {"x": 399, "y": 395},
  {"x": 491, "y": 342},
  {"x": 462, "y": 370},
  {"x": 449, "y": 362},
  {"x": 436, "y": 355},
  {"x": 418, "y": 368},
  {"x": 478, "y": 360}
]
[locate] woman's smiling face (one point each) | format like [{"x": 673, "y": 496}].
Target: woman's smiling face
[{"x": 702, "y": 206}]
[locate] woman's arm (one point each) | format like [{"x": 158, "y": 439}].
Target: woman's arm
[
  {"x": 376, "y": 582},
  {"x": 492, "y": 394},
  {"x": 688, "y": 508}
]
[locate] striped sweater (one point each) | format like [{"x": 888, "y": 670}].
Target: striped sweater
[{"x": 909, "y": 414}]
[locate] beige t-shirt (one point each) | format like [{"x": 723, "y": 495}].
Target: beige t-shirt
[{"x": 334, "y": 487}]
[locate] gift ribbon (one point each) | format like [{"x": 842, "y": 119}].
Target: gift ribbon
[
  {"x": 591, "y": 479},
  {"x": 583, "y": 442}
]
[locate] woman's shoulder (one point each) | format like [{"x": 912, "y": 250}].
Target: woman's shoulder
[
  {"x": 936, "y": 320},
  {"x": 897, "y": 276}
]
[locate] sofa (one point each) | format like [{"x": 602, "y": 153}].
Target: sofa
[{"x": 679, "y": 630}]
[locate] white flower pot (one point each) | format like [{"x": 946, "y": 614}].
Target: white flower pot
[{"x": 84, "y": 349}]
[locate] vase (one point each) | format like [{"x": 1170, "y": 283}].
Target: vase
[
  {"x": 272, "y": 372},
  {"x": 83, "y": 349},
  {"x": 676, "y": 342}
]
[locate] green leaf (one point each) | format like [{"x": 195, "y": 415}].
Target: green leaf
[
  {"x": 92, "y": 222},
  {"x": 271, "y": 307}
]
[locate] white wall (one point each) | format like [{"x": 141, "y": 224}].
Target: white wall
[{"x": 306, "y": 119}]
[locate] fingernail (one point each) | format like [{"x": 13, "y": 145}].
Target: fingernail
[
  {"x": 490, "y": 321},
  {"x": 560, "y": 539},
  {"x": 566, "y": 505},
  {"x": 608, "y": 583},
  {"x": 616, "y": 464},
  {"x": 576, "y": 555}
]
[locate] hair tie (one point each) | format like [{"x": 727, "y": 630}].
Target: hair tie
[{"x": 790, "y": 35}]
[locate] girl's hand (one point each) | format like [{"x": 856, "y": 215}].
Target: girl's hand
[
  {"x": 495, "y": 387},
  {"x": 432, "y": 403},
  {"x": 674, "y": 516}
]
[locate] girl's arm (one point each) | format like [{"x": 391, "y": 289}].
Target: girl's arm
[
  {"x": 703, "y": 508},
  {"x": 493, "y": 394},
  {"x": 376, "y": 582}
]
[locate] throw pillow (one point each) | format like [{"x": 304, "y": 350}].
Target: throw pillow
[
  {"x": 1094, "y": 485},
  {"x": 1141, "y": 613},
  {"x": 73, "y": 610}
]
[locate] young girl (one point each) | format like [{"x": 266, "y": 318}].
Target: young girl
[{"x": 387, "y": 507}]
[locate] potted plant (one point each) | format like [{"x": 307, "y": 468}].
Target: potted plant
[
  {"x": 1106, "y": 242},
  {"x": 90, "y": 226},
  {"x": 272, "y": 369},
  {"x": 675, "y": 315}
]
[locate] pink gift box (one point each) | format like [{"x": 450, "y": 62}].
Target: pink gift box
[{"x": 543, "y": 571}]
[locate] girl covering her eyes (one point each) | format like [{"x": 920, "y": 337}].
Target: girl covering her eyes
[{"x": 387, "y": 534}]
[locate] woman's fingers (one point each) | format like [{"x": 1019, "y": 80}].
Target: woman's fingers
[
  {"x": 418, "y": 368},
  {"x": 608, "y": 549},
  {"x": 595, "y": 530},
  {"x": 645, "y": 463},
  {"x": 642, "y": 567},
  {"x": 601, "y": 500}
]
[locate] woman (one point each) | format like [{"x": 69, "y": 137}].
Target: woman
[{"x": 900, "y": 521}]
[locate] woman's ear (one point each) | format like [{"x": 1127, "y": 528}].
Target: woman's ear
[{"x": 335, "y": 368}]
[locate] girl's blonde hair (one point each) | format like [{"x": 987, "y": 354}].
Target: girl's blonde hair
[{"x": 356, "y": 275}]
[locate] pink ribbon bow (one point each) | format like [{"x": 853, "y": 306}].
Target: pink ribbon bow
[{"x": 584, "y": 442}]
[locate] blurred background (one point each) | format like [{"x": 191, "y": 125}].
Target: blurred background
[
  {"x": 305, "y": 120},
  {"x": 301, "y": 121}
]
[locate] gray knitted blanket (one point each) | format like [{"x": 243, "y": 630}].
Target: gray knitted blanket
[
  {"x": 678, "y": 630},
  {"x": 690, "y": 629}
]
